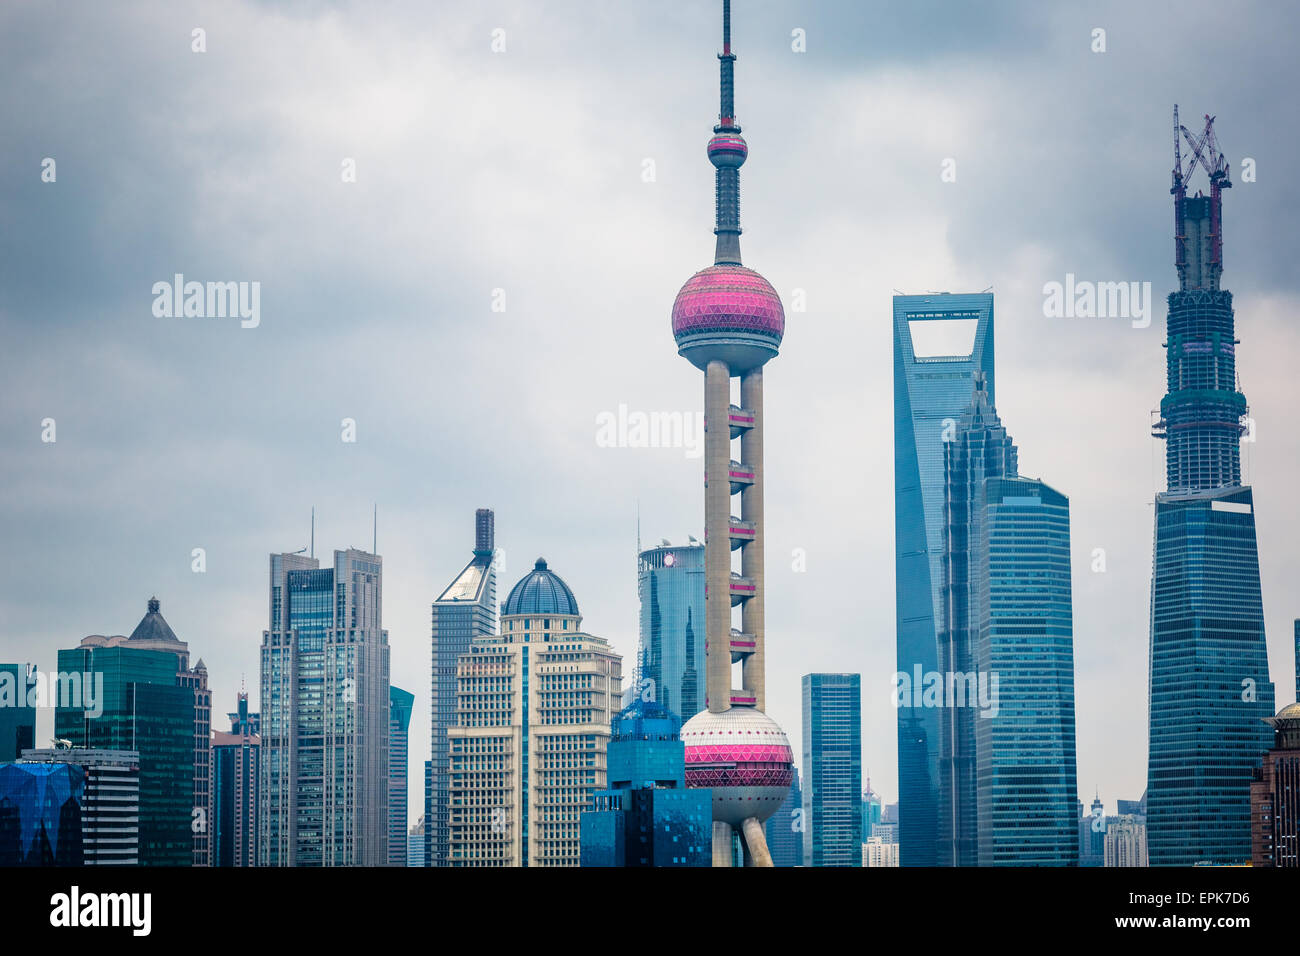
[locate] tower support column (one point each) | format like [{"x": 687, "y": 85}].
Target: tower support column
[
  {"x": 721, "y": 843},
  {"x": 751, "y": 509},
  {"x": 717, "y": 544}
]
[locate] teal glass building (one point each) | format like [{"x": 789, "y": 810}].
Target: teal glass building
[
  {"x": 647, "y": 816},
  {"x": 1025, "y": 774},
  {"x": 785, "y": 828},
  {"x": 143, "y": 710},
  {"x": 17, "y": 720},
  {"x": 832, "y": 769},
  {"x": 939, "y": 343},
  {"x": 400, "y": 703}
]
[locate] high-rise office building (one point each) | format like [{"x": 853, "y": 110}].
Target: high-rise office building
[
  {"x": 728, "y": 321},
  {"x": 235, "y": 776},
  {"x": 785, "y": 828},
  {"x": 153, "y": 633},
  {"x": 940, "y": 342},
  {"x": 467, "y": 609},
  {"x": 878, "y": 851},
  {"x": 17, "y": 719},
  {"x": 399, "y": 724},
  {"x": 534, "y": 705},
  {"x": 324, "y": 716},
  {"x": 110, "y": 806},
  {"x": 1275, "y": 795},
  {"x": 415, "y": 844},
  {"x": 1025, "y": 779},
  {"x": 978, "y": 448},
  {"x": 40, "y": 814},
  {"x": 872, "y": 809},
  {"x": 1125, "y": 841},
  {"x": 147, "y": 709},
  {"x": 832, "y": 769},
  {"x": 1209, "y": 681},
  {"x": 670, "y": 582},
  {"x": 1092, "y": 833},
  {"x": 646, "y": 816}
]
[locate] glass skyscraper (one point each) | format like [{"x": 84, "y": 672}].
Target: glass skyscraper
[
  {"x": 235, "y": 773},
  {"x": 17, "y": 720},
  {"x": 399, "y": 724},
  {"x": 832, "y": 769},
  {"x": 670, "y": 581},
  {"x": 465, "y": 610},
  {"x": 785, "y": 828},
  {"x": 1025, "y": 779},
  {"x": 939, "y": 343},
  {"x": 1210, "y": 691},
  {"x": 324, "y": 714}
]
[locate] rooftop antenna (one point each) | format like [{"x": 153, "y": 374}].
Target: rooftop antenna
[
  {"x": 375, "y": 545},
  {"x": 313, "y": 531}
]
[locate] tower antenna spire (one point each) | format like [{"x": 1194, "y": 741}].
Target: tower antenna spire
[{"x": 727, "y": 151}]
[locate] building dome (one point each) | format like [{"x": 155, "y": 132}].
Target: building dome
[
  {"x": 743, "y": 756},
  {"x": 541, "y": 591},
  {"x": 1289, "y": 712},
  {"x": 729, "y": 313}
]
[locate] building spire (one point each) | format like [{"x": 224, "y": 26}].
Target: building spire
[{"x": 727, "y": 151}]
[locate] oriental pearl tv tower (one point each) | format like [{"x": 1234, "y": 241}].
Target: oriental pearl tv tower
[{"x": 728, "y": 321}]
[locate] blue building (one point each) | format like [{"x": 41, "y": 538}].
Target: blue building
[
  {"x": 1025, "y": 779},
  {"x": 647, "y": 816},
  {"x": 670, "y": 582},
  {"x": 785, "y": 828},
  {"x": 40, "y": 814},
  {"x": 939, "y": 343},
  {"x": 872, "y": 810},
  {"x": 1210, "y": 692},
  {"x": 832, "y": 769},
  {"x": 465, "y": 610},
  {"x": 400, "y": 703},
  {"x": 17, "y": 720},
  {"x": 236, "y": 767}
]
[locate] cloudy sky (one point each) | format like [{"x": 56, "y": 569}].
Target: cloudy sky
[{"x": 568, "y": 170}]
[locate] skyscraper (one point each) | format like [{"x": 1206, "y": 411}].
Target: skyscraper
[
  {"x": 1125, "y": 841},
  {"x": 1025, "y": 780},
  {"x": 40, "y": 814},
  {"x": 832, "y": 770},
  {"x": 670, "y": 582},
  {"x": 17, "y": 720},
  {"x": 646, "y": 816},
  {"x": 399, "y": 723},
  {"x": 152, "y": 703},
  {"x": 1275, "y": 795},
  {"x": 940, "y": 342},
  {"x": 728, "y": 321},
  {"x": 1209, "y": 682},
  {"x": 465, "y": 610},
  {"x": 528, "y": 752},
  {"x": 235, "y": 774},
  {"x": 324, "y": 714}
]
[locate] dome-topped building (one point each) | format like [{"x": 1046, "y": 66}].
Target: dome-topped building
[{"x": 539, "y": 592}]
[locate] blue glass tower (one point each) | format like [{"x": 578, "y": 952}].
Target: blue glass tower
[
  {"x": 1209, "y": 682},
  {"x": 400, "y": 703},
  {"x": 647, "y": 816},
  {"x": 785, "y": 828},
  {"x": 832, "y": 769},
  {"x": 670, "y": 581},
  {"x": 940, "y": 342},
  {"x": 1025, "y": 781},
  {"x": 40, "y": 814}
]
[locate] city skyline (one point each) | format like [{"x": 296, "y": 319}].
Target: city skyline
[{"x": 177, "y": 386}]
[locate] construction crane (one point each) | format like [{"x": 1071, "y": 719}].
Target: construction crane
[{"x": 1206, "y": 153}]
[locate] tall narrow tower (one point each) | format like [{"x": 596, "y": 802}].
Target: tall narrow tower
[
  {"x": 728, "y": 322},
  {"x": 1209, "y": 684}
]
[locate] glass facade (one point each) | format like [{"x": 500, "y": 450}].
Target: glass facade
[
  {"x": 785, "y": 828},
  {"x": 40, "y": 814},
  {"x": 17, "y": 720},
  {"x": 932, "y": 387},
  {"x": 832, "y": 769},
  {"x": 670, "y": 582},
  {"x": 144, "y": 710},
  {"x": 235, "y": 772},
  {"x": 647, "y": 816},
  {"x": 1210, "y": 689},
  {"x": 465, "y": 610},
  {"x": 399, "y": 723},
  {"x": 1026, "y": 787}
]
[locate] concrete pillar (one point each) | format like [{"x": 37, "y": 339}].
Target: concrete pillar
[
  {"x": 717, "y": 545},
  {"x": 756, "y": 843},
  {"x": 751, "y": 509},
  {"x": 721, "y": 843}
]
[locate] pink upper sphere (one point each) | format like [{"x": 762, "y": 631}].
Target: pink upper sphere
[{"x": 728, "y": 298}]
